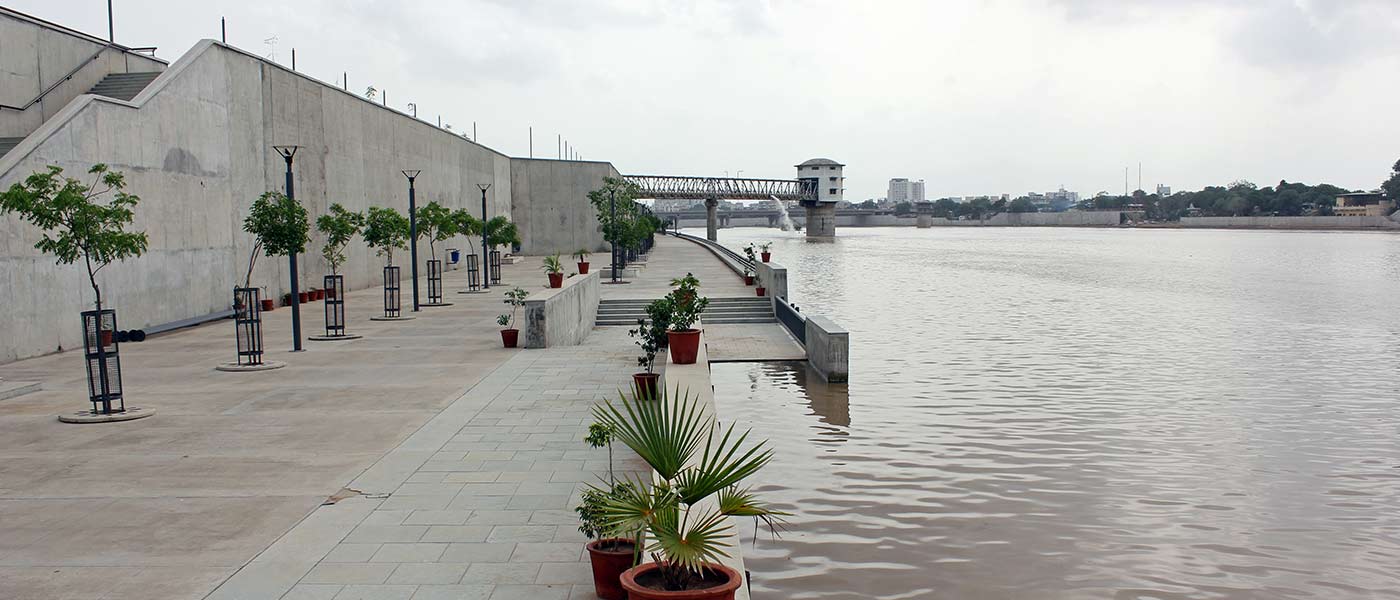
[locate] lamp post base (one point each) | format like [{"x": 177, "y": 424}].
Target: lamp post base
[
  {"x": 383, "y": 318},
  {"x": 130, "y": 414},
  {"x": 266, "y": 365},
  {"x": 333, "y": 338}
]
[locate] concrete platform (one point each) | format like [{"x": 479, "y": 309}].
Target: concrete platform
[
  {"x": 15, "y": 389},
  {"x": 752, "y": 343}
]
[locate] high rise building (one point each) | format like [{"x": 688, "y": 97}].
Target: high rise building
[{"x": 903, "y": 190}]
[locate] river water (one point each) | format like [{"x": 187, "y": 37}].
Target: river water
[{"x": 1084, "y": 413}]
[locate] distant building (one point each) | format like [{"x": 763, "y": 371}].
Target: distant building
[
  {"x": 903, "y": 190},
  {"x": 676, "y": 205},
  {"x": 826, "y": 173},
  {"x": 1163, "y": 190},
  {"x": 1363, "y": 204},
  {"x": 916, "y": 191}
]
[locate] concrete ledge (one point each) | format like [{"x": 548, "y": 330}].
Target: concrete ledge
[
  {"x": 773, "y": 277},
  {"x": 694, "y": 380},
  {"x": 15, "y": 389},
  {"x": 562, "y": 316},
  {"x": 828, "y": 348}
]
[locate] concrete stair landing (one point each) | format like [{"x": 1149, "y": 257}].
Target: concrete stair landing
[
  {"x": 8, "y": 143},
  {"x": 720, "y": 311},
  {"x": 123, "y": 86}
]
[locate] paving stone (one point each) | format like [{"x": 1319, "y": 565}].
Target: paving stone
[
  {"x": 313, "y": 591},
  {"x": 566, "y": 572},
  {"x": 547, "y": 552},
  {"x": 488, "y": 552},
  {"x": 349, "y": 573},
  {"x": 531, "y": 592},
  {"x": 402, "y": 553},
  {"x": 430, "y": 573},
  {"x": 377, "y": 592},
  {"x": 457, "y": 533},
  {"x": 499, "y": 573},
  {"x": 454, "y": 592},
  {"x": 521, "y": 533},
  {"x": 437, "y": 517},
  {"x": 351, "y": 553}
]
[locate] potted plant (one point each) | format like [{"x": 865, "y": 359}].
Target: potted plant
[
  {"x": 684, "y": 508},
  {"x": 555, "y": 269},
  {"x": 686, "y": 287},
  {"x": 760, "y": 290},
  {"x": 582, "y": 256},
  {"x": 77, "y": 226},
  {"x": 650, "y": 334},
  {"x": 765, "y": 246},
  {"x": 683, "y": 340},
  {"x": 611, "y": 551},
  {"x": 510, "y": 336},
  {"x": 748, "y": 275}
]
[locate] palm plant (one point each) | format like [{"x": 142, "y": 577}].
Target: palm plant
[
  {"x": 582, "y": 254},
  {"x": 695, "y": 461},
  {"x": 552, "y": 265}
]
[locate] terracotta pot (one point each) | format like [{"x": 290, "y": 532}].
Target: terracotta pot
[
  {"x": 766, "y": 255},
  {"x": 509, "y": 337},
  {"x": 104, "y": 338},
  {"x": 748, "y": 280},
  {"x": 320, "y": 294},
  {"x": 583, "y": 268},
  {"x": 268, "y": 305},
  {"x": 638, "y": 591},
  {"x": 556, "y": 280},
  {"x": 645, "y": 384},
  {"x": 330, "y": 293},
  {"x": 608, "y": 566},
  {"x": 760, "y": 290},
  {"x": 286, "y": 299},
  {"x": 684, "y": 345},
  {"x": 304, "y": 297}
]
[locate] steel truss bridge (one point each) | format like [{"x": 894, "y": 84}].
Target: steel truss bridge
[{"x": 666, "y": 187}]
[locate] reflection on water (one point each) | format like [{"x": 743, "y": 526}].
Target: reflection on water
[{"x": 1042, "y": 413}]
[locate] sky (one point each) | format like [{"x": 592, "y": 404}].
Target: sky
[{"x": 973, "y": 96}]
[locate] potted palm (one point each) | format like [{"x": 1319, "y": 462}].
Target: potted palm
[
  {"x": 760, "y": 290},
  {"x": 555, "y": 269},
  {"x": 610, "y": 551},
  {"x": 510, "y": 336},
  {"x": 748, "y": 275},
  {"x": 684, "y": 508},
  {"x": 582, "y": 256},
  {"x": 650, "y": 334},
  {"x": 683, "y": 340},
  {"x": 764, "y": 247}
]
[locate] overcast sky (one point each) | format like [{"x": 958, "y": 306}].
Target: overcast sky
[{"x": 975, "y": 97}]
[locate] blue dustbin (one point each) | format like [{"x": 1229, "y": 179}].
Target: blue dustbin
[{"x": 454, "y": 255}]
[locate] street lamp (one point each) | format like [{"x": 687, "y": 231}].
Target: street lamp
[
  {"x": 612, "y": 235},
  {"x": 412, "y": 174},
  {"x": 287, "y": 152},
  {"x": 485, "y": 251}
]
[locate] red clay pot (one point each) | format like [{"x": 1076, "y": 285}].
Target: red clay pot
[
  {"x": 509, "y": 337},
  {"x": 330, "y": 293},
  {"x": 104, "y": 338},
  {"x": 268, "y": 305},
  {"x": 645, "y": 385},
  {"x": 637, "y": 591},
  {"x": 748, "y": 280},
  {"x": 760, "y": 290},
  {"x": 304, "y": 297},
  {"x": 684, "y": 345},
  {"x": 318, "y": 295},
  {"x": 583, "y": 268},
  {"x": 608, "y": 566},
  {"x": 556, "y": 280},
  {"x": 766, "y": 255},
  {"x": 286, "y": 299}
]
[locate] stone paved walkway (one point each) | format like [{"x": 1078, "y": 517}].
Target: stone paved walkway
[
  {"x": 672, "y": 258},
  {"x": 476, "y": 504}
]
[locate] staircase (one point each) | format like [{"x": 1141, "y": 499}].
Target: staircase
[
  {"x": 8, "y": 144},
  {"x": 123, "y": 86},
  {"x": 721, "y": 311}
]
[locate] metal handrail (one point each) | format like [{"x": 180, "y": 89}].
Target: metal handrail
[
  {"x": 67, "y": 77},
  {"x": 740, "y": 261},
  {"x": 791, "y": 318}
]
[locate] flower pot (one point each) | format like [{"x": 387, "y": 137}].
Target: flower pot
[
  {"x": 304, "y": 297},
  {"x": 645, "y": 384},
  {"x": 509, "y": 337},
  {"x": 286, "y": 299},
  {"x": 104, "y": 338},
  {"x": 268, "y": 304},
  {"x": 748, "y": 280},
  {"x": 760, "y": 290},
  {"x": 684, "y": 345},
  {"x": 583, "y": 268},
  {"x": 556, "y": 280},
  {"x": 766, "y": 256},
  {"x": 319, "y": 294},
  {"x": 330, "y": 293},
  {"x": 608, "y": 566},
  {"x": 642, "y": 582}
]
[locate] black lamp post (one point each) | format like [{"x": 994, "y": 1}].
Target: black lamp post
[
  {"x": 612, "y": 234},
  {"x": 485, "y": 248},
  {"x": 287, "y": 152},
  {"x": 412, "y": 174}
]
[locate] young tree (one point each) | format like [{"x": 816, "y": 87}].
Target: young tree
[
  {"x": 280, "y": 226},
  {"x": 76, "y": 223},
  {"x": 339, "y": 225},
  {"x": 385, "y": 229},
  {"x": 467, "y": 225},
  {"x": 616, "y": 207},
  {"x": 435, "y": 222},
  {"x": 501, "y": 232},
  {"x": 1392, "y": 185}
]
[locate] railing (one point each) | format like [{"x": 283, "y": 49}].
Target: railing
[
  {"x": 791, "y": 318},
  {"x": 729, "y": 257},
  {"x": 74, "y": 71},
  {"x": 726, "y": 188}
]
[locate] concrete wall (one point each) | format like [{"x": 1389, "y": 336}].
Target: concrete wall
[
  {"x": 1371, "y": 222},
  {"x": 562, "y": 316},
  {"x": 772, "y": 276},
  {"x": 828, "y": 348},
  {"x": 551, "y": 207},
  {"x": 34, "y": 56}
]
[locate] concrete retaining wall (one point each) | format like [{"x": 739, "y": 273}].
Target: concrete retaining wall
[
  {"x": 562, "y": 316},
  {"x": 1290, "y": 222},
  {"x": 1109, "y": 218},
  {"x": 34, "y": 56},
  {"x": 828, "y": 348},
  {"x": 550, "y": 204},
  {"x": 772, "y": 276}
]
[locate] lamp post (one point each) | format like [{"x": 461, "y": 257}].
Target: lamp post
[
  {"x": 612, "y": 235},
  {"x": 287, "y": 152},
  {"x": 412, "y": 174},
  {"x": 485, "y": 250}
]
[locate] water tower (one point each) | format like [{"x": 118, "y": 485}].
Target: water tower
[{"x": 826, "y": 175}]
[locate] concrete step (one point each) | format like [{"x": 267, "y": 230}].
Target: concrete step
[
  {"x": 8, "y": 144},
  {"x": 123, "y": 86}
]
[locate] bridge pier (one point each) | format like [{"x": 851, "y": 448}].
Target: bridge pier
[
  {"x": 821, "y": 221},
  {"x": 712, "y": 219},
  {"x": 925, "y": 217}
]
